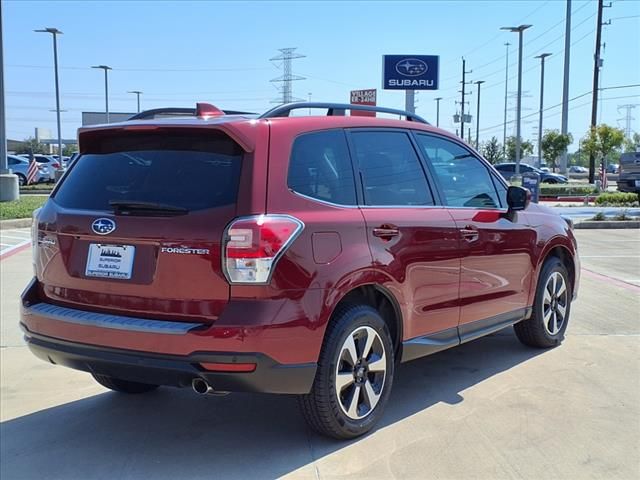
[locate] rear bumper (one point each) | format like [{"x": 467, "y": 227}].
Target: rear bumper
[
  {"x": 628, "y": 185},
  {"x": 268, "y": 377},
  {"x": 172, "y": 352}
]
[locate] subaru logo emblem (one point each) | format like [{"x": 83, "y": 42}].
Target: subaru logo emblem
[
  {"x": 411, "y": 67},
  {"x": 103, "y": 226}
]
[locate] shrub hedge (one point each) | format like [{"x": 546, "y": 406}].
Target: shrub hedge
[{"x": 618, "y": 198}]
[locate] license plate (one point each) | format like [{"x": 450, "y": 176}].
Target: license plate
[
  {"x": 637, "y": 183},
  {"x": 110, "y": 261}
]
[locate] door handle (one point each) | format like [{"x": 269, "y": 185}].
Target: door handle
[
  {"x": 386, "y": 232},
  {"x": 470, "y": 233}
]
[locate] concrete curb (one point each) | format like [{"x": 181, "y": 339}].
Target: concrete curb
[
  {"x": 35, "y": 192},
  {"x": 607, "y": 224},
  {"x": 15, "y": 223}
]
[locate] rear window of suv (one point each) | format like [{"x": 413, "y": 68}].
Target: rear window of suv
[{"x": 193, "y": 172}]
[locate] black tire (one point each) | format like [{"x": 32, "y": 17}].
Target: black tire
[
  {"x": 22, "y": 180},
  {"x": 550, "y": 181},
  {"x": 536, "y": 331},
  {"x": 123, "y": 386},
  {"x": 322, "y": 408}
]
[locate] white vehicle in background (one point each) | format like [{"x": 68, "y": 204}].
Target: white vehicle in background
[
  {"x": 49, "y": 161},
  {"x": 20, "y": 166}
]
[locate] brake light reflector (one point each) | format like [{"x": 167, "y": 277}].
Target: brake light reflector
[{"x": 254, "y": 244}]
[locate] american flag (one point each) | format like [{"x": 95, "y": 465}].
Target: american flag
[
  {"x": 32, "y": 172},
  {"x": 603, "y": 175}
]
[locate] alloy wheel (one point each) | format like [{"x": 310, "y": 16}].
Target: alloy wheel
[
  {"x": 554, "y": 303},
  {"x": 360, "y": 373}
]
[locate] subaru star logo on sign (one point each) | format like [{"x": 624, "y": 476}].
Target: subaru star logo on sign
[
  {"x": 103, "y": 226},
  {"x": 410, "y": 72}
]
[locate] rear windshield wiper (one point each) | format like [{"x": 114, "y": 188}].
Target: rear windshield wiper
[{"x": 131, "y": 206}]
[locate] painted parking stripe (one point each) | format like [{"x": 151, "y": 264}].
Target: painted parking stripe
[
  {"x": 7, "y": 252},
  {"x": 14, "y": 237},
  {"x": 610, "y": 280}
]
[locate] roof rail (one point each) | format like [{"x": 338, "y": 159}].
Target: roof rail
[
  {"x": 337, "y": 109},
  {"x": 177, "y": 112}
]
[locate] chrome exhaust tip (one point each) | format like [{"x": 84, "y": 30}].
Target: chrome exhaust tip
[{"x": 200, "y": 386}]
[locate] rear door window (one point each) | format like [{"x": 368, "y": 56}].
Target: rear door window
[
  {"x": 320, "y": 168},
  {"x": 390, "y": 169},
  {"x": 188, "y": 171}
]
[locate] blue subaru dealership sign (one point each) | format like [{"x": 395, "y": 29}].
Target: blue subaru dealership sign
[{"x": 410, "y": 72}]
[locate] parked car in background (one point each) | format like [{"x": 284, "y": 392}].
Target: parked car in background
[
  {"x": 613, "y": 168},
  {"x": 578, "y": 169},
  {"x": 20, "y": 167},
  {"x": 508, "y": 170},
  {"x": 47, "y": 160},
  {"x": 72, "y": 158},
  {"x": 629, "y": 174}
]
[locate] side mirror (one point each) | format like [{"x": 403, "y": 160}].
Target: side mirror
[{"x": 518, "y": 198}]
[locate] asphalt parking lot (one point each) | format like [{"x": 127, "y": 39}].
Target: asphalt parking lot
[{"x": 488, "y": 409}]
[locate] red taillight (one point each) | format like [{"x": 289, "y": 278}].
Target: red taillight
[
  {"x": 254, "y": 244},
  {"x": 55, "y": 165}
]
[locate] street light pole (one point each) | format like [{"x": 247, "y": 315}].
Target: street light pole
[
  {"x": 4, "y": 167},
  {"x": 520, "y": 29},
  {"x": 106, "y": 88},
  {"x": 506, "y": 89},
  {"x": 479, "y": 82},
  {"x": 438, "y": 111},
  {"x": 54, "y": 33},
  {"x": 137, "y": 93},
  {"x": 542, "y": 56}
]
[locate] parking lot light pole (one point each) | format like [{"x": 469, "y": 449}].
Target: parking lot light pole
[
  {"x": 519, "y": 30},
  {"x": 106, "y": 88},
  {"x": 9, "y": 190},
  {"x": 54, "y": 33},
  {"x": 137, "y": 93},
  {"x": 438, "y": 111},
  {"x": 479, "y": 82},
  {"x": 542, "y": 56}
]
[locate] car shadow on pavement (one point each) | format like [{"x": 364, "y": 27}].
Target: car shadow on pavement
[{"x": 173, "y": 433}]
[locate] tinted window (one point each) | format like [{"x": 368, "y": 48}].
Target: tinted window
[
  {"x": 13, "y": 161},
  {"x": 178, "y": 175},
  {"x": 320, "y": 167},
  {"x": 506, "y": 168},
  {"x": 464, "y": 179},
  {"x": 390, "y": 169}
]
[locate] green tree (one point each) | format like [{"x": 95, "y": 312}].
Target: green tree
[
  {"x": 602, "y": 141},
  {"x": 554, "y": 144},
  {"x": 526, "y": 148},
  {"x": 578, "y": 158},
  {"x": 492, "y": 151},
  {"x": 69, "y": 150},
  {"x": 632, "y": 144},
  {"x": 31, "y": 145}
]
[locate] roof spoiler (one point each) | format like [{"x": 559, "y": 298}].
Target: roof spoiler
[{"x": 203, "y": 110}]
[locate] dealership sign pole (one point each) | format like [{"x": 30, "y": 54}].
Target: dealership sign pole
[{"x": 410, "y": 73}]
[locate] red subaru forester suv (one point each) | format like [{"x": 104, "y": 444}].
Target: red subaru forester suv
[{"x": 286, "y": 254}]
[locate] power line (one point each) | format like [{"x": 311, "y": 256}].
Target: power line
[{"x": 152, "y": 69}]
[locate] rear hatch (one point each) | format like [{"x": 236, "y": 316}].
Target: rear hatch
[{"x": 136, "y": 225}]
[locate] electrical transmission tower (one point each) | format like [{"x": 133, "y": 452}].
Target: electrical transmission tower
[
  {"x": 627, "y": 118},
  {"x": 284, "y": 80}
]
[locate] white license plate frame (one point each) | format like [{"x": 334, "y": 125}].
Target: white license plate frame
[{"x": 110, "y": 261}]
